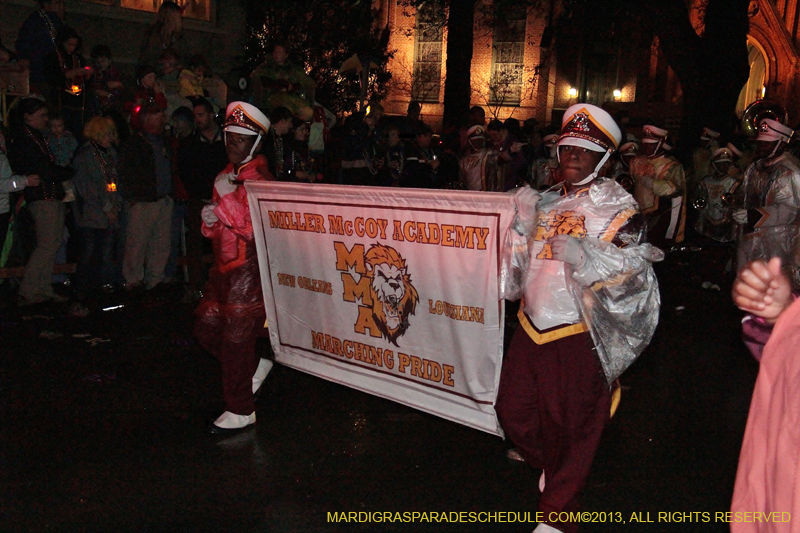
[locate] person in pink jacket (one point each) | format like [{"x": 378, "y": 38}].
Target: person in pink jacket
[
  {"x": 766, "y": 496},
  {"x": 231, "y": 313}
]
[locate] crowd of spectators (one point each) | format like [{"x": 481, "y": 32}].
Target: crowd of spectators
[{"x": 113, "y": 173}]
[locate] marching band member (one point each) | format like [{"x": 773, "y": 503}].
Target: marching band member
[
  {"x": 767, "y": 221},
  {"x": 232, "y": 313},
  {"x": 660, "y": 189},
  {"x": 715, "y": 189},
  {"x": 583, "y": 237}
]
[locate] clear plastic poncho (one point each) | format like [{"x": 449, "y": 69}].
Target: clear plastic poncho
[{"x": 614, "y": 290}]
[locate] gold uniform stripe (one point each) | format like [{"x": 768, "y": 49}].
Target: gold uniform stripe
[
  {"x": 549, "y": 336},
  {"x": 612, "y": 229}
]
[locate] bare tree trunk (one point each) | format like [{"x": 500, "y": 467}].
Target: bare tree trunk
[
  {"x": 712, "y": 67},
  {"x": 457, "y": 89}
]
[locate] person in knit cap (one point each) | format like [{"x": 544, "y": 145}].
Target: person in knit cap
[
  {"x": 231, "y": 314},
  {"x": 555, "y": 392},
  {"x": 768, "y": 216},
  {"x": 660, "y": 189}
]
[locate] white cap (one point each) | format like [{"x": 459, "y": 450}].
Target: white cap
[
  {"x": 735, "y": 151},
  {"x": 709, "y": 134},
  {"x": 590, "y": 127},
  {"x": 629, "y": 149},
  {"x": 244, "y": 118},
  {"x": 654, "y": 132},
  {"x": 722, "y": 155},
  {"x": 770, "y": 130}
]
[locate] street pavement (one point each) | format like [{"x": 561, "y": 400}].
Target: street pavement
[{"x": 103, "y": 428}]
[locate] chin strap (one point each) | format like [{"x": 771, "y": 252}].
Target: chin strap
[
  {"x": 252, "y": 150},
  {"x": 593, "y": 175},
  {"x": 656, "y": 152}
]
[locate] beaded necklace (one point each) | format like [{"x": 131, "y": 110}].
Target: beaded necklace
[
  {"x": 278, "y": 143},
  {"x": 51, "y": 29},
  {"x": 48, "y": 187},
  {"x": 108, "y": 170}
]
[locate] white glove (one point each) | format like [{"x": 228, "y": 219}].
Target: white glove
[
  {"x": 526, "y": 200},
  {"x": 567, "y": 249},
  {"x": 740, "y": 216},
  {"x": 208, "y": 216}
]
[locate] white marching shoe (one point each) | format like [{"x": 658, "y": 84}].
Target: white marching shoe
[
  {"x": 230, "y": 423},
  {"x": 264, "y": 367}
]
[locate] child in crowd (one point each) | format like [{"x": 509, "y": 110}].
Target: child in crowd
[
  {"x": 107, "y": 82},
  {"x": 62, "y": 142},
  {"x": 62, "y": 145},
  {"x": 170, "y": 65},
  {"x": 191, "y": 79},
  {"x": 149, "y": 90}
]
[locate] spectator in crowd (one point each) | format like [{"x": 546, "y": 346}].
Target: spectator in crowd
[
  {"x": 511, "y": 164},
  {"x": 280, "y": 83},
  {"x": 301, "y": 165},
  {"x": 62, "y": 142},
  {"x": 478, "y": 164},
  {"x": 10, "y": 182},
  {"x": 169, "y": 65},
  {"x": 476, "y": 116},
  {"x": 422, "y": 163},
  {"x": 98, "y": 205},
  {"x": 231, "y": 314},
  {"x": 191, "y": 78},
  {"x": 37, "y": 42},
  {"x": 277, "y": 142},
  {"x": 149, "y": 90},
  {"x": 145, "y": 182},
  {"x": 181, "y": 126},
  {"x": 62, "y": 145},
  {"x": 165, "y": 34},
  {"x": 31, "y": 155},
  {"x": 182, "y": 123},
  {"x": 201, "y": 156},
  {"x": 359, "y": 152},
  {"x": 544, "y": 166},
  {"x": 392, "y": 155},
  {"x": 411, "y": 123},
  {"x": 106, "y": 82},
  {"x": 68, "y": 74}
]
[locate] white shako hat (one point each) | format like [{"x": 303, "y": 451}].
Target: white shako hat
[
  {"x": 734, "y": 150},
  {"x": 550, "y": 140},
  {"x": 629, "y": 149},
  {"x": 588, "y": 126},
  {"x": 655, "y": 135},
  {"x": 722, "y": 155},
  {"x": 770, "y": 130},
  {"x": 246, "y": 119},
  {"x": 709, "y": 134}
]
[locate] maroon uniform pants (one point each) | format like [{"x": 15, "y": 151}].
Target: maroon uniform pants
[{"x": 553, "y": 403}]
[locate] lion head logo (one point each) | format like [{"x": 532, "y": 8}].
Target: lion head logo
[{"x": 394, "y": 298}]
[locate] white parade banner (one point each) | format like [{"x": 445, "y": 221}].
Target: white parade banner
[{"x": 390, "y": 291}]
